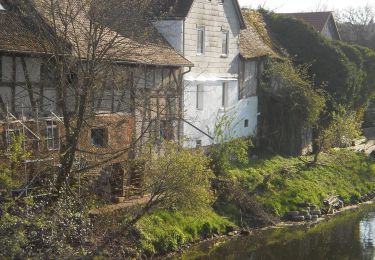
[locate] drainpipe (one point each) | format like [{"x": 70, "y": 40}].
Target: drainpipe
[{"x": 181, "y": 124}]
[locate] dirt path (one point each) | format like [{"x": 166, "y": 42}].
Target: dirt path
[{"x": 120, "y": 206}]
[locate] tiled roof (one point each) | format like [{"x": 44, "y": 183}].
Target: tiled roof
[
  {"x": 254, "y": 40},
  {"x": 16, "y": 34},
  {"x": 141, "y": 42},
  {"x": 317, "y": 19},
  {"x": 169, "y": 9}
]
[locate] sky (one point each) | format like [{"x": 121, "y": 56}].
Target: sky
[{"x": 306, "y": 5}]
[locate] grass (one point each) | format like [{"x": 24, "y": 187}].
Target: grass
[
  {"x": 165, "y": 231},
  {"x": 277, "y": 183},
  {"x": 280, "y": 183}
]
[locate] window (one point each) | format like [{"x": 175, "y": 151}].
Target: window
[
  {"x": 166, "y": 130},
  {"x": 221, "y": 2},
  {"x": 10, "y": 134},
  {"x": 225, "y": 43},
  {"x": 246, "y": 123},
  {"x": 224, "y": 101},
  {"x": 99, "y": 137},
  {"x": 2, "y": 7},
  {"x": 198, "y": 143},
  {"x": 200, "y": 39},
  {"x": 200, "y": 94},
  {"x": 53, "y": 137}
]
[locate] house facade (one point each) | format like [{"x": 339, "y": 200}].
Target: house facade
[
  {"x": 138, "y": 99},
  {"x": 208, "y": 33}
]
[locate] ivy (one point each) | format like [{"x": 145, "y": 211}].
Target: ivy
[{"x": 342, "y": 70}]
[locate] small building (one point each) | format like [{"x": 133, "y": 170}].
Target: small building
[{"x": 322, "y": 22}]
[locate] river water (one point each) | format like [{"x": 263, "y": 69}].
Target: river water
[{"x": 348, "y": 236}]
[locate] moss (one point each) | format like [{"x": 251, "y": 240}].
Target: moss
[
  {"x": 165, "y": 231},
  {"x": 280, "y": 183}
]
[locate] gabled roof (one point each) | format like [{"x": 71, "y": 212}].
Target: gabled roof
[
  {"x": 316, "y": 19},
  {"x": 18, "y": 33},
  {"x": 179, "y": 9},
  {"x": 254, "y": 40},
  {"x": 171, "y": 8}
]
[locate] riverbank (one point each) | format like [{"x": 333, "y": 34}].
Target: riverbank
[
  {"x": 344, "y": 236},
  {"x": 276, "y": 184}
]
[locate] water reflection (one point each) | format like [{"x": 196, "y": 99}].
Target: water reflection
[
  {"x": 347, "y": 237},
  {"x": 367, "y": 236}
]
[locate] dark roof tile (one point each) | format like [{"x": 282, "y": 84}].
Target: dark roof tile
[{"x": 317, "y": 19}]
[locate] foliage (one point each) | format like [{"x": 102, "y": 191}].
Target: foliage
[
  {"x": 289, "y": 103},
  {"x": 341, "y": 69},
  {"x": 280, "y": 183},
  {"x": 177, "y": 178},
  {"x": 342, "y": 129},
  {"x": 12, "y": 239},
  {"x": 293, "y": 86},
  {"x": 36, "y": 226},
  {"x": 240, "y": 205},
  {"x": 228, "y": 151},
  {"x": 166, "y": 231}
]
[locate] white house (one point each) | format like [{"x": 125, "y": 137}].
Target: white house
[{"x": 222, "y": 83}]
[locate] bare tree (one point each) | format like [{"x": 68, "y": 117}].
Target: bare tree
[
  {"x": 98, "y": 71},
  {"x": 357, "y": 25}
]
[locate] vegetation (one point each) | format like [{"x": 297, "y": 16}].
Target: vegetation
[
  {"x": 227, "y": 151},
  {"x": 166, "y": 231},
  {"x": 340, "y": 68},
  {"x": 289, "y": 103},
  {"x": 280, "y": 183},
  {"x": 176, "y": 178}
]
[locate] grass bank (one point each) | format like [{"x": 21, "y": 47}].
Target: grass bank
[
  {"x": 166, "y": 231},
  {"x": 276, "y": 183}
]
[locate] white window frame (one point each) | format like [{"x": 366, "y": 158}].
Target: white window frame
[
  {"x": 201, "y": 34},
  {"x": 10, "y": 134},
  {"x": 224, "y": 43},
  {"x": 52, "y": 137},
  {"x": 200, "y": 97}
]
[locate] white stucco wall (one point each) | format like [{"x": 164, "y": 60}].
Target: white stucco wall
[
  {"x": 22, "y": 100},
  {"x": 206, "y": 119},
  {"x": 211, "y": 69}
]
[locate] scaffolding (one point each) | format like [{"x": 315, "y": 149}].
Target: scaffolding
[{"x": 15, "y": 126}]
